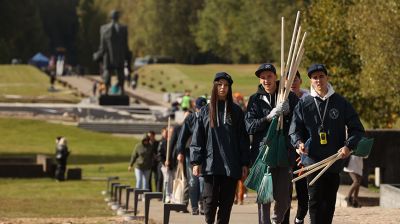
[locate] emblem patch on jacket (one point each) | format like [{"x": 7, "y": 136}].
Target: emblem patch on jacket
[{"x": 333, "y": 113}]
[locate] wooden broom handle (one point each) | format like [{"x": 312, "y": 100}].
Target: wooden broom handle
[
  {"x": 310, "y": 167},
  {"x": 325, "y": 169}
]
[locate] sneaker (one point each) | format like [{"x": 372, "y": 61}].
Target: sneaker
[
  {"x": 349, "y": 201},
  {"x": 195, "y": 211},
  {"x": 356, "y": 204},
  {"x": 201, "y": 207},
  {"x": 185, "y": 211},
  {"x": 298, "y": 221}
]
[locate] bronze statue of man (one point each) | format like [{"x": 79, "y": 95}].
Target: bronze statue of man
[{"x": 113, "y": 51}]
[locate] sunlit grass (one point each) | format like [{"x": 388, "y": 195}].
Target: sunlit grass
[{"x": 25, "y": 83}]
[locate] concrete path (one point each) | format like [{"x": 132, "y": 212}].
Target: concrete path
[{"x": 247, "y": 213}]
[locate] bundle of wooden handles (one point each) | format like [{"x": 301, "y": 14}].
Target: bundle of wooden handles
[
  {"x": 324, "y": 164},
  {"x": 291, "y": 66}
]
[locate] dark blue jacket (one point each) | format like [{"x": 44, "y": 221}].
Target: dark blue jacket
[
  {"x": 257, "y": 124},
  {"x": 224, "y": 149},
  {"x": 339, "y": 115},
  {"x": 186, "y": 132}
]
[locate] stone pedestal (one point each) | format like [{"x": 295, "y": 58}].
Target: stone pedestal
[{"x": 114, "y": 100}]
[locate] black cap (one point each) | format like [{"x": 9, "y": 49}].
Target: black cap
[
  {"x": 297, "y": 74},
  {"x": 200, "y": 102},
  {"x": 265, "y": 67},
  {"x": 316, "y": 68},
  {"x": 223, "y": 75}
]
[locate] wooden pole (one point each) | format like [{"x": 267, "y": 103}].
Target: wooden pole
[
  {"x": 168, "y": 138},
  {"x": 298, "y": 60},
  {"x": 283, "y": 75},
  {"x": 310, "y": 167},
  {"x": 292, "y": 42},
  {"x": 330, "y": 163}
]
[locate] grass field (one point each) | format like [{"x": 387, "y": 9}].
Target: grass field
[
  {"x": 198, "y": 78},
  {"x": 25, "y": 83},
  {"x": 99, "y": 155}
]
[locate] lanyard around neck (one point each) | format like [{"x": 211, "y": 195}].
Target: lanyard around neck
[{"x": 319, "y": 112}]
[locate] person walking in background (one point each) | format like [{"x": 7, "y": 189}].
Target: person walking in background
[
  {"x": 241, "y": 188},
  {"x": 261, "y": 109},
  {"x": 142, "y": 157},
  {"x": 154, "y": 145},
  {"x": 186, "y": 103},
  {"x": 354, "y": 169},
  {"x": 183, "y": 150},
  {"x": 62, "y": 154},
  {"x": 300, "y": 185},
  {"x": 174, "y": 157},
  {"x": 135, "y": 80},
  {"x": 166, "y": 166},
  {"x": 94, "y": 87},
  {"x": 220, "y": 149},
  {"x": 328, "y": 124}
]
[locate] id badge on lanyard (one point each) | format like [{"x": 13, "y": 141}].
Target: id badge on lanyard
[{"x": 323, "y": 137}]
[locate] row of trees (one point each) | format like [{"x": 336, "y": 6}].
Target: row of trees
[{"x": 356, "y": 39}]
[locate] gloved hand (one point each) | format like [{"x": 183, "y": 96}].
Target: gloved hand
[
  {"x": 285, "y": 107},
  {"x": 274, "y": 113}
]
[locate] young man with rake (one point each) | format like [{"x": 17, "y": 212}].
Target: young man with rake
[
  {"x": 261, "y": 109},
  {"x": 328, "y": 124}
]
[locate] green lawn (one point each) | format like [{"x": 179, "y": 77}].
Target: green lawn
[
  {"x": 99, "y": 155},
  {"x": 198, "y": 78},
  {"x": 25, "y": 83}
]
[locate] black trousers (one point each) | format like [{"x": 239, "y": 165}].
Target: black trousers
[
  {"x": 302, "y": 201},
  {"x": 60, "y": 169},
  {"x": 323, "y": 197},
  {"x": 219, "y": 191}
]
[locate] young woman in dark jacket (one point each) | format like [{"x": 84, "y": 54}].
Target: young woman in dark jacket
[{"x": 220, "y": 149}]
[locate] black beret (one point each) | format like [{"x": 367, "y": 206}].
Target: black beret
[
  {"x": 316, "y": 68},
  {"x": 223, "y": 75},
  {"x": 265, "y": 67}
]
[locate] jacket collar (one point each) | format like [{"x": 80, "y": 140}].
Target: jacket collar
[{"x": 331, "y": 91}]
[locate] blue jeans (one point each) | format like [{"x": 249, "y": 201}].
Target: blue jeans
[
  {"x": 142, "y": 178},
  {"x": 196, "y": 184}
]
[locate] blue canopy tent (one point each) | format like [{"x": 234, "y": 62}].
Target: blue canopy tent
[{"x": 39, "y": 60}]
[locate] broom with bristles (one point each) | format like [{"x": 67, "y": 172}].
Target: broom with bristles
[
  {"x": 254, "y": 178},
  {"x": 265, "y": 193}
]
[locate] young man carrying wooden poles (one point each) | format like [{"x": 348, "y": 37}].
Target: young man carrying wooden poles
[
  {"x": 271, "y": 101},
  {"x": 328, "y": 122}
]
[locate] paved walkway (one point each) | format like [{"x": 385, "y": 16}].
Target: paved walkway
[{"x": 247, "y": 213}]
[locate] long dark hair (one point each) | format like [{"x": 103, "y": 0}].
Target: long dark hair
[{"x": 214, "y": 103}]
